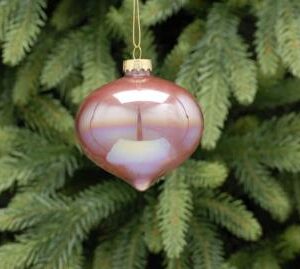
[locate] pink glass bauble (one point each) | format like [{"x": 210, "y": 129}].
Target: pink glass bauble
[{"x": 139, "y": 127}]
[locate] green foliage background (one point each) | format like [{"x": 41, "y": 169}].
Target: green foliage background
[{"x": 234, "y": 205}]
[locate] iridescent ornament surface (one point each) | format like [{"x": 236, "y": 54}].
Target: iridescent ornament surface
[{"x": 139, "y": 127}]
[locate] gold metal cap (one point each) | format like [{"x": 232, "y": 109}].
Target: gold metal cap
[{"x": 137, "y": 64}]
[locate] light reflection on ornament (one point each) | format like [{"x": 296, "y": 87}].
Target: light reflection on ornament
[
  {"x": 139, "y": 96},
  {"x": 139, "y": 127}
]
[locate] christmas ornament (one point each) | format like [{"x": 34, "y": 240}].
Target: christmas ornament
[{"x": 140, "y": 126}]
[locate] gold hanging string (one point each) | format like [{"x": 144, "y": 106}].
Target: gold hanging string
[{"x": 136, "y": 31}]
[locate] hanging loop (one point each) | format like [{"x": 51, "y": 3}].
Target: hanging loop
[
  {"x": 137, "y": 53},
  {"x": 136, "y": 31}
]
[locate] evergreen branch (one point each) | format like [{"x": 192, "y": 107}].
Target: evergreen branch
[
  {"x": 23, "y": 253},
  {"x": 7, "y": 111},
  {"x": 277, "y": 149},
  {"x": 64, "y": 58},
  {"x": 242, "y": 126},
  {"x": 265, "y": 260},
  {"x": 270, "y": 253},
  {"x": 180, "y": 263},
  {"x": 268, "y": 81},
  {"x": 241, "y": 70},
  {"x": 7, "y": 115},
  {"x": 206, "y": 246},
  {"x": 288, "y": 246},
  {"x": 102, "y": 256},
  {"x": 296, "y": 192},
  {"x": 188, "y": 76},
  {"x": 263, "y": 188},
  {"x": 7, "y": 8},
  {"x": 215, "y": 105},
  {"x": 156, "y": 11},
  {"x": 174, "y": 211},
  {"x": 69, "y": 227},
  {"x": 230, "y": 213},
  {"x": 130, "y": 249},
  {"x": 265, "y": 38},
  {"x": 105, "y": 198},
  {"x": 74, "y": 261},
  {"x": 58, "y": 157},
  {"x": 152, "y": 234},
  {"x": 288, "y": 34},
  {"x": 227, "y": 266},
  {"x": 98, "y": 65},
  {"x": 14, "y": 138},
  {"x": 26, "y": 252},
  {"x": 48, "y": 115},
  {"x": 8, "y": 174},
  {"x": 67, "y": 86},
  {"x": 242, "y": 259},
  {"x": 67, "y": 14},
  {"x": 29, "y": 209},
  {"x": 28, "y": 76},
  {"x": 201, "y": 174},
  {"x": 23, "y": 30},
  {"x": 240, "y": 3},
  {"x": 9, "y": 138},
  {"x": 211, "y": 72},
  {"x": 115, "y": 20},
  {"x": 284, "y": 93},
  {"x": 280, "y": 148},
  {"x": 29, "y": 167},
  {"x": 186, "y": 41},
  {"x": 50, "y": 181},
  {"x": 213, "y": 93}
]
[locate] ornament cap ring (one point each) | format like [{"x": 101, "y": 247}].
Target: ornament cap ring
[{"x": 137, "y": 64}]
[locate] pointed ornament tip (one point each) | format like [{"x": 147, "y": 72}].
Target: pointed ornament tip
[{"x": 142, "y": 184}]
